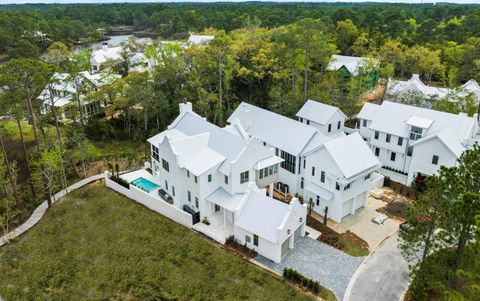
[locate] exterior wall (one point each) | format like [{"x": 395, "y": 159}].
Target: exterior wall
[
  {"x": 265, "y": 248},
  {"x": 323, "y": 128},
  {"x": 365, "y": 131},
  {"x": 152, "y": 203},
  {"x": 422, "y": 158},
  {"x": 377, "y": 180},
  {"x": 386, "y": 149}
]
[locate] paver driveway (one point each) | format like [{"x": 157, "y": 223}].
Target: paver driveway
[{"x": 315, "y": 260}]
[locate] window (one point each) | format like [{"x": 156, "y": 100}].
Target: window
[
  {"x": 322, "y": 177},
  {"x": 376, "y": 135},
  {"x": 189, "y": 196},
  {"x": 415, "y": 133},
  {"x": 367, "y": 177},
  {"x": 300, "y": 119},
  {"x": 304, "y": 162},
  {"x": 364, "y": 123},
  {"x": 209, "y": 178},
  {"x": 196, "y": 202},
  {"x": 195, "y": 179},
  {"x": 155, "y": 152},
  {"x": 337, "y": 186},
  {"x": 166, "y": 185},
  {"x": 308, "y": 122},
  {"x": 301, "y": 183},
  {"x": 188, "y": 174},
  {"x": 346, "y": 186},
  {"x": 400, "y": 141},
  {"x": 255, "y": 239},
  {"x": 387, "y": 138},
  {"x": 313, "y": 170},
  {"x": 410, "y": 151},
  {"x": 264, "y": 143},
  {"x": 318, "y": 200},
  {"x": 289, "y": 163},
  {"x": 247, "y": 238},
  {"x": 338, "y": 125},
  {"x": 261, "y": 173},
  {"x": 377, "y": 151},
  {"x": 392, "y": 156},
  {"x": 165, "y": 165},
  {"x": 173, "y": 190},
  {"x": 244, "y": 177},
  {"x": 329, "y": 127},
  {"x": 275, "y": 168},
  {"x": 217, "y": 208},
  {"x": 435, "y": 159},
  {"x": 226, "y": 180}
]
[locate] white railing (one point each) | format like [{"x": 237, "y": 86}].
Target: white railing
[{"x": 155, "y": 204}]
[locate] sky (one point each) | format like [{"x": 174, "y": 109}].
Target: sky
[{"x": 346, "y": 1}]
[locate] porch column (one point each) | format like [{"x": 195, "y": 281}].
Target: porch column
[
  {"x": 291, "y": 242},
  {"x": 224, "y": 217},
  {"x": 270, "y": 190}
]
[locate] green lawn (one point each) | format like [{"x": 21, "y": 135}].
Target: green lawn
[{"x": 98, "y": 245}]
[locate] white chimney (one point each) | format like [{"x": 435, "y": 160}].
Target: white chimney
[{"x": 185, "y": 107}]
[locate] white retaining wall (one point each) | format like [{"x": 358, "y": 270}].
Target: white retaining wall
[
  {"x": 377, "y": 180},
  {"x": 152, "y": 203}
]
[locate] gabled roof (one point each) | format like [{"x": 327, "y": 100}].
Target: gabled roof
[
  {"x": 352, "y": 155},
  {"x": 415, "y": 85},
  {"x": 199, "y": 39},
  {"x": 318, "y": 112},
  {"x": 102, "y": 55},
  {"x": 352, "y": 63},
  {"x": 224, "y": 199},
  {"x": 392, "y": 118},
  {"x": 277, "y": 130},
  {"x": 368, "y": 111},
  {"x": 448, "y": 137},
  {"x": 262, "y": 216}
]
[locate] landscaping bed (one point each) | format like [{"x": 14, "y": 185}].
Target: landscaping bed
[
  {"x": 347, "y": 242},
  {"x": 98, "y": 245}
]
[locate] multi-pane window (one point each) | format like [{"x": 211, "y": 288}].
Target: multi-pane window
[
  {"x": 308, "y": 122},
  {"x": 173, "y": 190},
  {"x": 329, "y": 127},
  {"x": 244, "y": 177},
  {"x": 367, "y": 177},
  {"x": 318, "y": 200},
  {"x": 165, "y": 165},
  {"x": 400, "y": 141},
  {"x": 322, "y": 177},
  {"x": 364, "y": 123},
  {"x": 377, "y": 151},
  {"x": 338, "y": 125},
  {"x": 255, "y": 240},
  {"x": 415, "y": 133},
  {"x": 196, "y": 202},
  {"x": 410, "y": 151},
  {"x": 155, "y": 152},
  {"x": 337, "y": 186},
  {"x": 289, "y": 163},
  {"x": 226, "y": 180},
  {"x": 189, "y": 196},
  {"x": 387, "y": 138},
  {"x": 196, "y": 179},
  {"x": 393, "y": 156},
  {"x": 313, "y": 170},
  {"x": 346, "y": 186},
  {"x": 435, "y": 159},
  {"x": 166, "y": 185},
  {"x": 301, "y": 183},
  {"x": 209, "y": 178},
  {"x": 304, "y": 162},
  {"x": 188, "y": 174},
  {"x": 376, "y": 135}
]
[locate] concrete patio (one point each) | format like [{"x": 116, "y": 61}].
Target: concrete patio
[{"x": 217, "y": 230}]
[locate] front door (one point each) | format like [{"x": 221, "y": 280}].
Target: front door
[{"x": 217, "y": 208}]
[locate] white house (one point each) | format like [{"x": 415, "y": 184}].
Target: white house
[
  {"x": 414, "y": 91},
  {"x": 212, "y": 173},
  {"x": 414, "y": 142},
  {"x": 325, "y": 118},
  {"x": 99, "y": 58},
  {"x": 194, "y": 39},
  {"x": 308, "y": 167},
  {"x": 352, "y": 64}
]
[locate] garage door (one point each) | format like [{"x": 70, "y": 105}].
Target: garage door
[
  {"x": 296, "y": 235},
  {"x": 285, "y": 246},
  {"x": 346, "y": 207},
  {"x": 360, "y": 200}
]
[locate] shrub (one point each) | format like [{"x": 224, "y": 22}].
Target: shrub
[
  {"x": 293, "y": 275},
  {"x": 206, "y": 221}
]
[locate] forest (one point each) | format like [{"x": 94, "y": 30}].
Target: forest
[{"x": 271, "y": 55}]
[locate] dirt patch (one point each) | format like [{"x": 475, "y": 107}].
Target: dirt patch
[{"x": 397, "y": 204}]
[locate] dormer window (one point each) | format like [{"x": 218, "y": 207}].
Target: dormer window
[{"x": 415, "y": 133}]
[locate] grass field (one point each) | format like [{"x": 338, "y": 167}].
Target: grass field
[{"x": 98, "y": 245}]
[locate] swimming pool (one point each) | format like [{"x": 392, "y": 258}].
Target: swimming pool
[{"x": 144, "y": 184}]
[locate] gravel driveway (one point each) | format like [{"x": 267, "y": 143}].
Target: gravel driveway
[{"x": 315, "y": 260}]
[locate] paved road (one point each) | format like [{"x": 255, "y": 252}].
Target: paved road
[
  {"x": 330, "y": 267},
  {"x": 383, "y": 277}
]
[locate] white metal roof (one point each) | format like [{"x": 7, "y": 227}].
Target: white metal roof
[
  {"x": 352, "y": 155},
  {"x": 318, "y": 190},
  {"x": 199, "y": 39},
  {"x": 352, "y": 63},
  {"x": 262, "y": 216},
  {"x": 318, "y": 112},
  {"x": 268, "y": 162},
  {"x": 368, "y": 111},
  {"x": 224, "y": 199},
  {"x": 277, "y": 130},
  {"x": 449, "y": 138},
  {"x": 420, "y": 122}
]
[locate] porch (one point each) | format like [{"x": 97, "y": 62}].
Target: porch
[{"x": 218, "y": 230}]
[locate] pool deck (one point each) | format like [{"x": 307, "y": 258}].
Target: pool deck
[{"x": 140, "y": 173}]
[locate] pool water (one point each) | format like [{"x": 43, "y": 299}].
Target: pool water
[{"x": 145, "y": 184}]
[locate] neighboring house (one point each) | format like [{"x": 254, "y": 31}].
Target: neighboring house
[
  {"x": 415, "y": 141},
  {"x": 309, "y": 167},
  {"x": 194, "y": 39},
  {"x": 325, "y": 118},
  {"x": 212, "y": 173},
  {"x": 60, "y": 93},
  {"x": 414, "y": 91},
  {"x": 348, "y": 66},
  {"x": 106, "y": 57}
]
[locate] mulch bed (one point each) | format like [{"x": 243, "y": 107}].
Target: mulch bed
[{"x": 396, "y": 209}]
